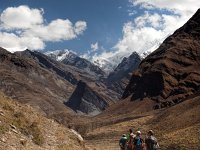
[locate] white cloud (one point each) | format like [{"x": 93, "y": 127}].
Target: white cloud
[
  {"x": 80, "y": 26},
  {"x": 94, "y": 46},
  {"x": 131, "y": 12},
  {"x": 147, "y": 19},
  {"x": 147, "y": 31},
  {"x": 21, "y": 17},
  {"x": 13, "y": 43},
  {"x": 23, "y": 27},
  {"x": 56, "y": 30},
  {"x": 183, "y": 6}
]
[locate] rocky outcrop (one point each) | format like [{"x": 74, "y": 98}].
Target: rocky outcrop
[
  {"x": 86, "y": 100},
  {"x": 172, "y": 72},
  {"x": 119, "y": 78},
  {"x": 50, "y": 64}
]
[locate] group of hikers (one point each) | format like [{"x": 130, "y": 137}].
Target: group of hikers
[{"x": 133, "y": 141}]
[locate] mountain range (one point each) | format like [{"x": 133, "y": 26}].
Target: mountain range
[
  {"x": 51, "y": 72},
  {"x": 69, "y": 58},
  {"x": 159, "y": 92}
]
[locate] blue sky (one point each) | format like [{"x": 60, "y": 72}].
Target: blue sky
[
  {"x": 105, "y": 19},
  {"x": 103, "y": 31}
]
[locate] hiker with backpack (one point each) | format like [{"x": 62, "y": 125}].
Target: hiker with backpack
[
  {"x": 130, "y": 137},
  {"x": 138, "y": 142},
  {"x": 151, "y": 142},
  {"x": 123, "y": 142}
]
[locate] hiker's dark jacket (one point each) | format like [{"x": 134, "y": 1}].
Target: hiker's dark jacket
[{"x": 151, "y": 143}]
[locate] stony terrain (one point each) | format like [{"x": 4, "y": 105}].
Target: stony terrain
[{"x": 22, "y": 127}]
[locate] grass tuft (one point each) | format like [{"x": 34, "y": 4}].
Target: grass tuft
[
  {"x": 63, "y": 147},
  {"x": 3, "y": 129},
  {"x": 27, "y": 128},
  {"x": 8, "y": 107}
]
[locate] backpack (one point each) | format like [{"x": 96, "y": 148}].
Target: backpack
[
  {"x": 151, "y": 143},
  {"x": 122, "y": 142},
  {"x": 138, "y": 142}
]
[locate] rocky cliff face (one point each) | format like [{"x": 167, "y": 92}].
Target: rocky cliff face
[
  {"x": 86, "y": 100},
  {"x": 50, "y": 64},
  {"x": 172, "y": 72},
  {"x": 72, "y": 75},
  {"x": 119, "y": 78}
]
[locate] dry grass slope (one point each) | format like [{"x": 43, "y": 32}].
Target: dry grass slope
[
  {"x": 177, "y": 128},
  {"x": 22, "y": 127}
]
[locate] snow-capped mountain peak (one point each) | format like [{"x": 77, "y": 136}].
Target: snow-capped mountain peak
[
  {"x": 59, "y": 55},
  {"x": 70, "y": 58}
]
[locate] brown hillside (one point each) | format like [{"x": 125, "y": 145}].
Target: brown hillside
[
  {"x": 25, "y": 80},
  {"x": 22, "y": 127},
  {"x": 172, "y": 72},
  {"x": 73, "y": 75},
  {"x": 176, "y": 128},
  {"x": 168, "y": 76}
]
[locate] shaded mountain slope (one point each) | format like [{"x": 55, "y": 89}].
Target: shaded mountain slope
[
  {"x": 73, "y": 75},
  {"x": 86, "y": 100},
  {"x": 50, "y": 64},
  {"x": 119, "y": 78},
  {"x": 25, "y": 80},
  {"x": 172, "y": 72}
]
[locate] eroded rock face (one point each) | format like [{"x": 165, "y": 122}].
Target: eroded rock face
[
  {"x": 172, "y": 72},
  {"x": 72, "y": 74},
  {"x": 85, "y": 100}
]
